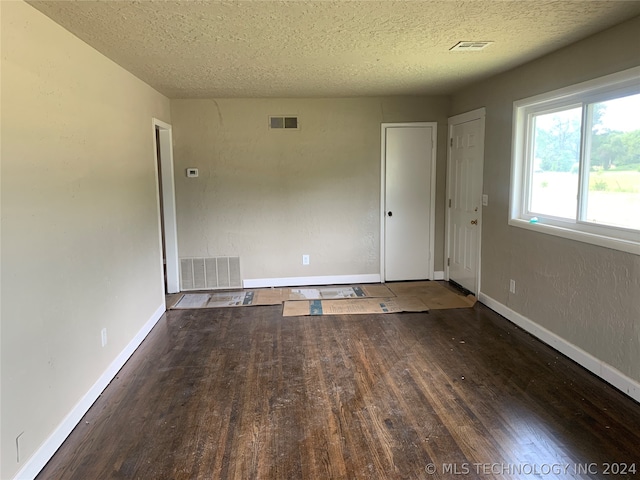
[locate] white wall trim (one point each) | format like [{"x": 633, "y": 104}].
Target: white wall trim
[
  {"x": 40, "y": 458},
  {"x": 300, "y": 281},
  {"x": 603, "y": 370},
  {"x": 438, "y": 275},
  {"x": 169, "y": 203}
]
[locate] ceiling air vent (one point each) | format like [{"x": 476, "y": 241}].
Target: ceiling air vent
[
  {"x": 286, "y": 123},
  {"x": 469, "y": 46}
]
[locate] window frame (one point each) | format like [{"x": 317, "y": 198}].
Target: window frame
[{"x": 598, "y": 90}]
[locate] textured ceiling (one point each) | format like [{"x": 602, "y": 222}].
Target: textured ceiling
[{"x": 195, "y": 49}]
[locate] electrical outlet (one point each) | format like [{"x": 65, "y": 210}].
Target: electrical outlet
[
  {"x": 305, "y": 259},
  {"x": 485, "y": 200},
  {"x": 103, "y": 337},
  {"x": 512, "y": 286}
]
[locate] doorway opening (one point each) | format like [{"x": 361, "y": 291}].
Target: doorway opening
[{"x": 166, "y": 205}]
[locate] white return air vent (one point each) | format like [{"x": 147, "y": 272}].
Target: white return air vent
[
  {"x": 283, "y": 122},
  {"x": 210, "y": 273}
]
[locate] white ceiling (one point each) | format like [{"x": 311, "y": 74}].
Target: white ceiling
[{"x": 257, "y": 48}]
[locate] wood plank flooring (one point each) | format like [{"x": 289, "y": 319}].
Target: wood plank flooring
[{"x": 243, "y": 393}]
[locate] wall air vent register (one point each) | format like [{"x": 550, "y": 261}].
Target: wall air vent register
[
  {"x": 210, "y": 273},
  {"x": 469, "y": 46},
  {"x": 283, "y": 123}
]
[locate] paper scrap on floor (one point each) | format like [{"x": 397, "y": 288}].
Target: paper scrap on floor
[{"x": 293, "y": 308}]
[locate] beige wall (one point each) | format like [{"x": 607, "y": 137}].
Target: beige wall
[
  {"x": 588, "y": 295},
  {"x": 80, "y": 241},
  {"x": 272, "y": 196}
]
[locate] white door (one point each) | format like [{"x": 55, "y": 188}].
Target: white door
[
  {"x": 408, "y": 200},
  {"x": 464, "y": 172}
]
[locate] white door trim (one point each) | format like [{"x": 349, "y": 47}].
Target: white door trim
[
  {"x": 478, "y": 114},
  {"x": 432, "y": 213},
  {"x": 169, "y": 203}
]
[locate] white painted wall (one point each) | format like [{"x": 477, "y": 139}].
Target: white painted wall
[
  {"x": 80, "y": 233},
  {"x": 589, "y": 296},
  {"x": 272, "y": 196}
]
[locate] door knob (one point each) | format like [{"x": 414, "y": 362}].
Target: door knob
[
  {"x": 474, "y": 222},
  {"x": 390, "y": 214}
]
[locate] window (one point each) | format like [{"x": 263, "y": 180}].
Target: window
[{"x": 576, "y": 162}]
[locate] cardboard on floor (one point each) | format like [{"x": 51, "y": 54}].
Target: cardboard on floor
[
  {"x": 434, "y": 295},
  {"x": 293, "y": 308},
  {"x": 276, "y": 296},
  {"x": 339, "y": 292},
  {"x": 336, "y": 300},
  {"x": 234, "y": 298}
]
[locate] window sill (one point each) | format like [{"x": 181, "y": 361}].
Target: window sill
[{"x": 627, "y": 246}]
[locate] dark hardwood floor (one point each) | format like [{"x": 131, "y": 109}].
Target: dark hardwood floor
[{"x": 243, "y": 393}]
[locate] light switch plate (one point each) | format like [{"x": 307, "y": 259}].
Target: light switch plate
[{"x": 192, "y": 172}]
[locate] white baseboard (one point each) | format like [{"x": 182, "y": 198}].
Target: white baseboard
[
  {"x": 323, "y": 280},
  {"x": 40, "y": 458},
  {"x": 603, "y": 370},
  {"x": 302, "y": 281}
]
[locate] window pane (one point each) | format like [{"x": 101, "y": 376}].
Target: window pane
[
  {"x": 614, "y": 175},
  {"x": 555, "y": 167}
]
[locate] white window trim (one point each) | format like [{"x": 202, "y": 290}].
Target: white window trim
[{"x": 599, "y": 89}]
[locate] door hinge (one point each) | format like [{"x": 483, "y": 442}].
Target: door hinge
[
  {"x": 448, "y": 262},
  {"x": 451, "y": 141},
  {"x": 449, "y": 203}
]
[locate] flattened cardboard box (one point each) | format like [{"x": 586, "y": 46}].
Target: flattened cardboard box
[
  {"x": 236, "y": 298},
  {"x": 294, "y": 308},
  {"x": 339, "y": 292},
  {"x": 434, "y": 295},
  {"x": 276, "y": 296}
]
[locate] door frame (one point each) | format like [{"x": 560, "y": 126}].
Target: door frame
[
  {"x": 478, "y": 114},
  {"x": 383, "y": 178},
  {"x": 168, "y": 201}
]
